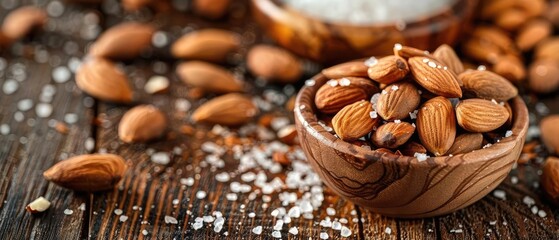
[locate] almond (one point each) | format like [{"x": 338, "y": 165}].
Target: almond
[
  {"x": 354, "y": 121},
  {"x": 397, "y": 100},
  {"x": 478, "y": 50},
  {"x": 88, "y": 173},
  {"x": 436, "y": 125},
  {"x": 388, "y": 69},
  {"x": 157, "y": 5},
  {"x": 549, "y": 129},
  {"x": 38, "y": 205},
  {"x": 409, "y": 52},
  {"x": 212, "y": 9},
  {"x": 348, "y": 69},
  {"x": 511, "y": 19},
  {"x": 510, "y": 67},
  {"x": 102, "y": 79},
  {"x": 479, "y": 115},
  {"x": 532, "y": 33},
  {"x": 20, "y": 22},
  {"x": 209, "y": 77},
  {"x": 488, "y": 85},
  {"x": 435, "y": 77},
  {"x": 548, "y": 49},
  {"x": 141, "y": 124},
  {"x": 493, "y": 8},
  {"x": 466, "y": 143},
  {"x": 231, "y": 109},
  {"x": 212, "y": 45},
  {"x": 392, "y": 135},
  {"x": 337, "y": 93},
  {"x": 544, "y": 76},
  {"x": 446, "y": 55},
  {"x": 494, "y": 36},
  {"x": 123, "y": 41},
  {"x": 288, "y": 134},
  {"x": 410, "y": 148},
  {"x": 273, "y": 64},
  {"x": 550, "y": 179}
]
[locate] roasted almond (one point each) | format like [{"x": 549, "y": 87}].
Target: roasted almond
[
  {"x": 273, "y": 64},
  {"x": 102, "y": 79},
  {"x": 436, "y": 125},
  {"x": 493, "y": 8},
  {"x": 141, "y": 124},
  {"x": 550, "y": 179},
  {"x": 446, "y": 55},
  {"x": 466, "y": 143},
  {"x": 20, "y": 22},
  {"x": 479, "y": 115},
  {"x": 231, "y": 109},
  {"x": 548, "y": 49},
  {"x": 212, "y": 45},
  {"x": 409, "y": 52},
  {"x": 544, "y": 76},
  {"x": 337, "y": 93},
  {"x": 411, "y": 148},
  {"x": 511, "y": 19},
  {"x": 397, "y": 101},
  {"x": 494, "y": 36},
  {"x": 487, "y": 85},
  {"x": 435, "y": 77},
  {"x": 549, "y": 129},
  {"x": 532, "y": 33},
  {"x": 510, "y": 67},
  {"x": 354, "y": 121},
  {"x": 479, "y": 50},
  {"x": 348, "y": 69},
  {"x": 208, "y": 77},
  {"x": 392, "y": 135},
  {"x": 388, "y": 69},
  {"x": 123, "y": 41},
  {"x": 212, "y": 9},
  {"x": 157, "y": 5},
  {"x": 88, "y": 173}
]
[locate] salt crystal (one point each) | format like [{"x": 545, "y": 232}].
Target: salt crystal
[
  {"x": 175, "y": 201},
  {"x": 82, "y": 207},
  {"x": 492, "y": 222},
  {"x": 248, "y": 177},
  {"x": 326, "y": 223},
  {"x": 170, "y": 220},
  {"x": 162, "y": 158},
  {"x": 145, "y": 232},
  {"x": 4, "y": 129},
  {"x": 324, "y": 235},
  {"x": 508, "y": 133},
  {"x": 345, "y": 232},
  {"x": 159, "y": 39},
  {"x": 25, "y": 104},
  {"x": 197, "y": 225},
  {"x": 43, "y": 110},
  {"x": 388, "y": 230},
  {"x": 310, "y": 82},
  {"x": 336, "y": 225},
  {"x": 55, "y": 9},
  {"x": 534, "y": 209},
  {"x": 68, "y": 211},
  {"x": 123, "y": 218},
  {"x": 182, "y": 105},
  {"x": 257, "y": 230},
  {"x": 251, "y": 215},
  {"x": 420, "y": 156},
  {"x": 373, "y": 114},
  {"x": 118, "y": 212},
  {"x": 514, "y": 180},
  {"x": 397, "y": 121},
  {"x": 528, "y": 200},
  {"x": 344, "y": 82},
  {"x": 61, "y": 74},
  {"x": 156, "y": 84},
  {"x": 200, "y": 194},
  {"x": 276, "y": 234},
  {"x": 231, "y": 197},
  {"x": 187, "y": 181},
  {"x": 294, "y": 230},
  {"x": 208, "y": 219},
  {"x": 500, "y": 194},
  {"x": 542, "y": 213},
  {"x": 394, "y": 87},
  {"x": 70, "y": 118},
  {"x": 481, "y": 68},
  {"x": 279, "y": 225},
  {"x": 222, "y": 177},
  {"x": 10, "y": 86},
  {"x": 371, "y": 61}
]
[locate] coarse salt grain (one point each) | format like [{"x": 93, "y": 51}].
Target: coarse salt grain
[
  {"x": 324, "y": 235},
  {"x": 500, "y": 194},
  {"x": 162, "y": 158},
  {"x": 388, "y": 230},
  {"x": 118, "y": 212},
  {"x": 371, "y": 61},
  {"x": 508, "y": 133},
  {"x": 170, "y": 220},
  {"x": 68, "y": 211},
  {"x": 373, "y": 114},
  {"x": 257, "y": 230},
  {"x": 420, "y": 156},
  {"x": 294, "y": 230},
  {"x": 5, "y": 129},
  {"x": 123, "y": 218}
]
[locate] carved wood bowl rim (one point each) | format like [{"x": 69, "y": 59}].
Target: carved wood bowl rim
[{"x": 307, "y": 118}]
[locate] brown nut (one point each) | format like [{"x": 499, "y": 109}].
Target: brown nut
[{"x": 273, "y": 64}]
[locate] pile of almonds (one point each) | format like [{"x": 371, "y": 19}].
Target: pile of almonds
[
  {"x": 507, "y": 31},
  {"x": 416, "y": 103}
]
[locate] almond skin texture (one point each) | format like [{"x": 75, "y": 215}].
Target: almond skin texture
[
  {"x": 348, "y": 69},
  {"x": 466, "y": 143},
  {"x": 231, "y": 110},
  {"x": 550, "y": 179},
  {"x": 338, "y": 93},
  {"x": 488, "y": 85},
  {"x": 88, "y": 173},
  {"x": 392, "y": 135},
  {"x": 213, "y": 45},
  {"x": 549, "y": 128},
  {"x": 141, "y": 124},
  {"x": 211, "y": 9},
  {"x": 408, "y": 52},
  {"x": 102, "y": 79},
  {"x": 208, "y": 77},
  {"x": 274, "y": 64},
  {"x": 388, "y": 69},
  {"x": 20, "y": 22},
  {"x": 354, "y": 121},
  {"x": 397, "y": 100},
  {"x": 436, "y": 125},
  {"x": 446, "y": 55},
  {"x": 435, "y": 77},
  {"x": 479, "y": 115},
  {"x": 123, "y": 41},
  {"x": 544, "y": 76}
]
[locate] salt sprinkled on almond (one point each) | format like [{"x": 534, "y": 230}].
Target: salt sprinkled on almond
[{"x": 372, "y": 61}]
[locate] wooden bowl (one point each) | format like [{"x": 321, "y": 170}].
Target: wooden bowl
[
  {"x": 401, "y": 186},
  {"x": 331, "y": 43}
]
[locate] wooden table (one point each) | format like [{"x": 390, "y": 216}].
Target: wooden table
[{"x": 149, "y": 192}]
